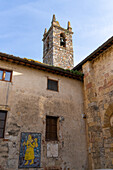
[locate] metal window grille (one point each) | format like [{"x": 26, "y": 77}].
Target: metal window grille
[{"x": 52, "y": 85}]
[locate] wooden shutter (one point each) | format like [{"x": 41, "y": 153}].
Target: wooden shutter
[
  {"x": 3, "y": 115},
  {"x": 51, "y": 128}
]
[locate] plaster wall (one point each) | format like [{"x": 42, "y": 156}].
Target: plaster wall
[{"x": 28, "y": 101}]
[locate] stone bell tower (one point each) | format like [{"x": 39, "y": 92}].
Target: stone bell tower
[{"x": 57, "y": 45}]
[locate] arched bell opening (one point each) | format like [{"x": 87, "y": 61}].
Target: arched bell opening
[{"x": 62, "y": 40}]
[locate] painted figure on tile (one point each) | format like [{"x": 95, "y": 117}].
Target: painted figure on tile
[
  {"x": 30, "y": 150},
  {"x": 29, "y": 154}
]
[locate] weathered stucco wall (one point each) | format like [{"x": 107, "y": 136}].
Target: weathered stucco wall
[
  {"x": 98, "y": 90},
  {"x": 28, "y": 102}
]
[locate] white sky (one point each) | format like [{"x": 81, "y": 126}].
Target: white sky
[{"x": 22, "y": 23}]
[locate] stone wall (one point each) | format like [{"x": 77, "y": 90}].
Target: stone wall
[
  {"x": 98, "y": 92},
  {"x": 58, "y": 55},
  {"x": 48, "y": 54},
  {"x": 62, "y": 56},
  {"x": 28, "y": 101}
]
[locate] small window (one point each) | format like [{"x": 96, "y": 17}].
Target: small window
[
  {"x": 5, "y": 75},
  {"x": 3, "y": 115},
  {"x": 52, "y": 85},
  {"x": 62, "y": 40},
  {"x": 51, "y": 128},
  {"x": 47, "y": 43}
]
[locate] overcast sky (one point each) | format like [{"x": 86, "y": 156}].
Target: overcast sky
[{"x": 22, "y": 23}]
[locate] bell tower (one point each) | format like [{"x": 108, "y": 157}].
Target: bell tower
[{"x": 57, "y": 45}]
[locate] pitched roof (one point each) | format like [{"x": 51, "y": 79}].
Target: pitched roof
[
  {"x": 40, "y": 66},
  {"x": 94, "y": 54}
]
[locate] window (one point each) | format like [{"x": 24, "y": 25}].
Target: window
[
  {"x": 52, "y": 85},
  {"x": 62, "y": 40},
  {"x": 51, "y": 128},
  {"x": 47, "y": 43},
  {"x": 5, "y": 75},
  {"x": 3, "y": 115}
]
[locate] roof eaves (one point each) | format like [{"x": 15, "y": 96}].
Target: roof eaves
[
  {"x": 94, "y": 54},
  {"x": 40, "y": 66}
]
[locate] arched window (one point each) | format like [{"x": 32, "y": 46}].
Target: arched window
[
  {"x": 47, "y": 43},
  {"x": 62, "y": 40},
  {"x": 108, "y": 120}
]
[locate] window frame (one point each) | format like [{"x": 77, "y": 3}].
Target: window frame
[
  {"x": 50, "y": 132},
  {"x": 54, "y": 81},
  {"x": 3, "y": 76},
  {"x": 62, "y": 36},
  {"x": 47, "y": 44},
  {"x": 4, "y": 123}
]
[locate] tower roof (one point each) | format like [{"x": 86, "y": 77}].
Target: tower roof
[
  {"x": 55, "y": 23},
  {"x": 69, "y": 26}
]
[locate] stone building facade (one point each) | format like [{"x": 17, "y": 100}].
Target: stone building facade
[
  {"x": 52, "y": 118},
  {"x": 98, "y": 100},
  {"x": 57, "y": 45}
]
